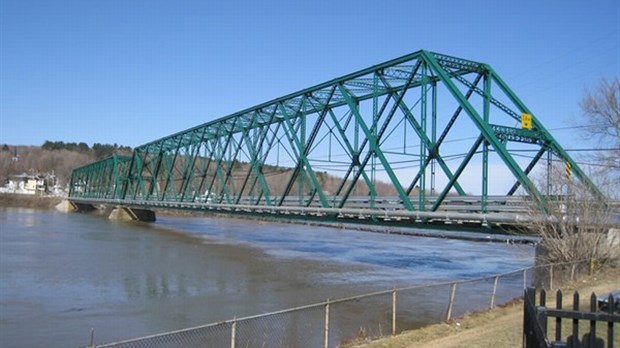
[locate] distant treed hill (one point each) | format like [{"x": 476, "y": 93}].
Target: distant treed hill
[
  {"x": 56, "y": 157},
  {"x": 99, "y": 151},
  {"x": 277, "y": 178},
  {"x": 61, "y": 158}
]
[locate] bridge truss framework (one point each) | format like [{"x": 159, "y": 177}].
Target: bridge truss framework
[{"x": 417, "y": 123}]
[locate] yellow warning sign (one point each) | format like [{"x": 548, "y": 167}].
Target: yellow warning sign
[{"x": 526, "y": 121}]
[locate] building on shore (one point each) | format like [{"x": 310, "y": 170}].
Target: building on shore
[{"x": 30, "y": 183}]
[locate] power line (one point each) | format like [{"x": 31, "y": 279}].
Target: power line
[
  {"x": 572, "y": 150},
  {"x": 593, "y": 149},
  {"x": 577, "y": 127},
  {"x": 578, "y": 162}
]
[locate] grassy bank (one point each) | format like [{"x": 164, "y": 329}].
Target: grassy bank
[
  {"x": 500, "y": 327},
  {"x": 28, "y": 201}
]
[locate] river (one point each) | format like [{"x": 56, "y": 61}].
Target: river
[{"x": 63, "y": 274}]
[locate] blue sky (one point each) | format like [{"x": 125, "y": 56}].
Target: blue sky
[{"x": 129, "y": 72}]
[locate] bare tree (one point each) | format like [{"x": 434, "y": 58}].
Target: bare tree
[
  {"x": 576, "y": 225},
  {"x": 601, "y": 118}
]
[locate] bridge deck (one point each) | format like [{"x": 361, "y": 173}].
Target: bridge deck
[{"x": 508, "y": 212}]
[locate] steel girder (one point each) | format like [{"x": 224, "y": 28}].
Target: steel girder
[
  {"x": 358, "y": 128},
  {"x": 101, "y": 180}
]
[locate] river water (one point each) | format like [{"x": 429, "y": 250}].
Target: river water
[{"x": 63, "y": 274}]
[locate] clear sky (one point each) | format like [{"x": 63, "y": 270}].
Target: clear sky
[{"x": 129, "y": 72}]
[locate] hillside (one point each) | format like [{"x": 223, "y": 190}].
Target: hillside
[
  {"x": 278, "y": 177},
  {"x": 55, "y": 158},
  {"x": 60, "y": 159}
]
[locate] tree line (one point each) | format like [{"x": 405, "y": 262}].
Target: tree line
[{"x": 99, "y": 151}]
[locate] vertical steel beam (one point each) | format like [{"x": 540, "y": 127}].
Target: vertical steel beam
[
  {"x": 189, "y": 177},
  {"x": 485, "y": 130},
  {"x": 154, "y": 185},
  {"x": 302, "y": 147},
  {"x": 170, "y": 169},
  {"x": 352, "y": 154},
  {"x": 485, "y": 145},
  {"x": 434, "y": 151},
  {"x": 431, "y": 156},
  {"x": 265, "y": 190},
  {"x": 418, "y": 128},
  {"x": 379, "y": 134},
  {"x": 257, "y": 161},
  {"x": 423, "y": 144},
  {"x": 205, "y": 170},
  {"x": 229, "y": 135},
  {"x": 374, "y": 148},
  {"x": 355, "y": 159},
  {"x": 302, "y": 159}
]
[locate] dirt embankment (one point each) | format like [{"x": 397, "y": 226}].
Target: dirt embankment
[{"x": 28, "y": 201}]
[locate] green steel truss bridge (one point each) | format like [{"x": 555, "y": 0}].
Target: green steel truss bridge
[{"x": 399, "y": 141}]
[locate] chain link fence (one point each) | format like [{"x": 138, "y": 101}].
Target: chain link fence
[{"x": 339, "y": 322}]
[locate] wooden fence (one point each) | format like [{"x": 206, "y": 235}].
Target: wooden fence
[{"x": 537, "y": 319}]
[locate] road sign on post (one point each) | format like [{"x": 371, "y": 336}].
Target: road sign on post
[
  {"x": 526, "y": 121},
  {"x": 568, "y": 170}
]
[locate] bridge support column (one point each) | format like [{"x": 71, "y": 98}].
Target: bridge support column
[
  {"x": 67, "y": 206},
  {"x": 132, "y": 214}
]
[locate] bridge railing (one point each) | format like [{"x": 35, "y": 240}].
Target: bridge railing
[{"x": 359, "y": 318}]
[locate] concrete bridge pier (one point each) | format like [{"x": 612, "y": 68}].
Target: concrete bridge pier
[
  {"x": 67, "y": 206},
  {"x": 121, "y": 213}
]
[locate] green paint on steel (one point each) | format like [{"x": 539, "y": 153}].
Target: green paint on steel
[
  {"x": 101, "y": 180},
  {"x": 375, "y": 149},
  {"x": 486, "y": 131},
  {"x": 485, "y": 145},
  {"x": 555, "y": 146},
  {"x": 458, "y": 172},
  {"x": 345, "y": 125}
]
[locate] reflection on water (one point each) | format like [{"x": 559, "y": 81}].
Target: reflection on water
[{"x": 65, "y": 273}]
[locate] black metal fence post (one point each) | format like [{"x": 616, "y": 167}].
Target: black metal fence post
[{"x": 535, "y": 320}]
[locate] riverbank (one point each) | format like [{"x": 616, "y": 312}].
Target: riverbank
[
  {"x": 28, "y": 201},
  {"x": 500, "y": 327}
]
